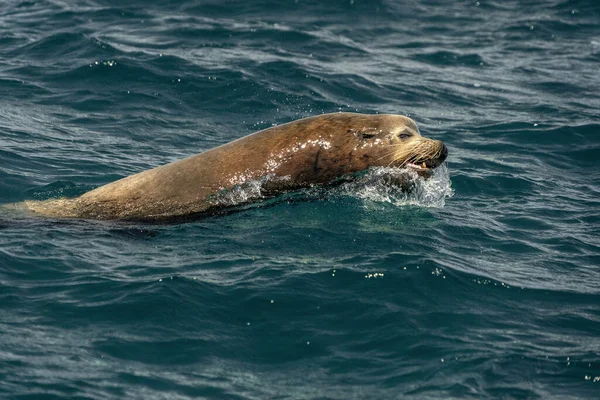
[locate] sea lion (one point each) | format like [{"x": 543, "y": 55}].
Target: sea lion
[{"x": 312, "y": 151}]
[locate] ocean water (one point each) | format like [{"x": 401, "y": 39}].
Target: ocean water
[{"x": 482, "y": 284}]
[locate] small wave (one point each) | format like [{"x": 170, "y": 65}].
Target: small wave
[
  {"x": 375, "y": 186},
  {"x": 446, "y": 58},
  {"x": 397, "y": 186},
  {"x": 58, "y": 189},
  {"x": 241, "y": 194}
]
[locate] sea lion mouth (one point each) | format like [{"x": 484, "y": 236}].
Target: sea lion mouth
[
  {"x": 426, "y": 165},
  {"x": 432, "y": 163},
  {"x": 423, "y": 169}
]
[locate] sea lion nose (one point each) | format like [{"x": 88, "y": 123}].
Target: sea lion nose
[{"x": 444, "y": 153}]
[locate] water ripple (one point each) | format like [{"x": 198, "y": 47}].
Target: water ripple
[{"x": 483, "y": 283}]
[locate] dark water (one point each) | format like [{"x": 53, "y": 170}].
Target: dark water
[{"x": 492, "y": 292}]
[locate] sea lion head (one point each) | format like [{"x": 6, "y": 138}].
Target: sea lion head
[
  {"x": 325, "y": 148},
  {"x": 395, "y": 141}
]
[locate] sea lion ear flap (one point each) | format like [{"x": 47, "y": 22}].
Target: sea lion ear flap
[{"x": 363, "y": 133}]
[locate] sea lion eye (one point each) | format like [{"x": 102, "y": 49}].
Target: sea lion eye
[{"x": 404, "y": 135}]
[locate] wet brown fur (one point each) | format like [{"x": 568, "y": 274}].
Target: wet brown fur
[{"x": 298, "y": 154}]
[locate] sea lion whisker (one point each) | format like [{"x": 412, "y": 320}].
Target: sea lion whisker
[{"x": 384, "y": 156}]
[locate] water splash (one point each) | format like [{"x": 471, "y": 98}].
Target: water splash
[
  {"x": 241, "y": 194},
  {"x": 380, "y": 185}
]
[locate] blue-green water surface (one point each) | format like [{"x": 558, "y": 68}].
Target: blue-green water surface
[{"x": 485, "y": 287}]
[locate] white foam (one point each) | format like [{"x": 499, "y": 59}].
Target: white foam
[
  {"x": 375, "y": 187},
  {"x": 240, "y": 194}
]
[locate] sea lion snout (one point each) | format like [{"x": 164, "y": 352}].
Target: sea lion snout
[
  {"x": 436, "y": 162},
  {"x": 444, "y": 154}
]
